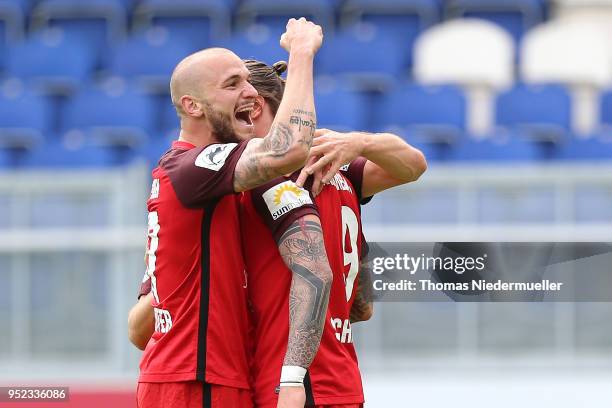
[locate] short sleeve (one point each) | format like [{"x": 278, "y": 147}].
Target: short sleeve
[
  {"x": 202, "y": 174},
  {"x": 354, "y": 172},
  {"x": 281, "y": 202},
  {"x": 145, "y": 287}
]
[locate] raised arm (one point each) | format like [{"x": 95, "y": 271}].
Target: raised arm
[
  {"x": 303, "y": 250},
  {"x": 391, "y": 161},
  {"x": 288, "y": 142}
]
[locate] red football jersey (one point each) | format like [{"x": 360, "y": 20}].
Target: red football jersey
[
  {"x": 333, "y": 377},
  {"x": 195, "y": 269}
]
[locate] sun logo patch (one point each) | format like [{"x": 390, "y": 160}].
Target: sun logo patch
[
  {"x": 287, "y": 188},
  {"x": 285, "y": 197}
]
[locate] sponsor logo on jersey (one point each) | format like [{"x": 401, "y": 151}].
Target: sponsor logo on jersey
[
  {"x": 154, "y": 189},
  {"x": 345, "y": 167},
  {"x": 285, "y": 197},
  {"x": 214, "y": 156}
]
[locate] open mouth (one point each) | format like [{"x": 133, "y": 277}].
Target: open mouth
[{"x": 243, "y": 115}]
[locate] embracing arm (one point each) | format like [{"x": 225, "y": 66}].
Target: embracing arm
[
  {"x": 303, "y": 250},
  {"x": 390, "y": 160},
  {"x": 286, "y": 146},
  {"x": 141, "y": 322}
]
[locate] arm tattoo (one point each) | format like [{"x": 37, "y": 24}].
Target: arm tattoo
[
  {"x": 362, "y": 305},
  {"x": 303, "y": 250},
  {"x": 265, "y": 161}
]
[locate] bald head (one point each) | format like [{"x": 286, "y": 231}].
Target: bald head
[{"x": 198, "y": 71}]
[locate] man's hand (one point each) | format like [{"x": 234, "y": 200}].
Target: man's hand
[
  {"x": 303, "y": 35},
  {"x": 330, "y": 151},
  {"x": 291, "y": 397}
]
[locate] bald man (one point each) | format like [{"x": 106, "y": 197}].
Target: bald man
[{"x": 197, "y": 355}]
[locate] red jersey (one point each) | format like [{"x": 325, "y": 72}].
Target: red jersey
[
  {"x": 195, "y": 269},
  {"x": 333, "y": 377}
]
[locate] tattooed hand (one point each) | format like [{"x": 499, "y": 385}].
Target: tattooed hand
[{"x": 330, "y": 151}]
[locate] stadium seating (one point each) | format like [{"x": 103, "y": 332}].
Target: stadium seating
[
  {"x": 541, "y": 113},
  {"x": 431, "y": 113},
  {"x": 376, "y": 46},
  {"x": 558, "y": 52},
  {"x": 363, "y": 57},
  {"x": 25, "y": 117},
  {"x": 472, "y": 53},
  {"x": 596, "y": 147},
  {"x": 274, "y": 13},
  {"x": 257, "y": 42},
  {"x": 606, "y": 110},
  {"x": 52, "y": 60},
  {"x": 497, "y": 148},
  {"x": 112, "y": 115},
  {"x": 198, "y": 23},
  {"x": 149, "y": 58},
  {"x": 395, "y": 20},
  {"x": 99, "y": 22},
  {"x": 11, "y": 23},
  {"x": 516, "y": 16},
  {"x": 341, "y": 109}
]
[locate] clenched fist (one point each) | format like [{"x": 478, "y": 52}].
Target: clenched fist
[{"x": 302, "y": 35}]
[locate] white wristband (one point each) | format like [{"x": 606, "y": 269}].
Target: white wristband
[{"x": 292, "y": 376}]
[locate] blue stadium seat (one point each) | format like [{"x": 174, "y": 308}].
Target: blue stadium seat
[
  {"x": 11, "y": 21},
  {"x": 432, "y": 113},
  {"x": 111, "y": 115},
  {"x": 54, "y": 153},
  {"x": 274, "y": 13},
  {"x": 397, "y": 20},
  {"x": 540, "y": 112},
  {"x": 169, "y": 121},
  {"x": 496, "y": 149},
  {"x": 363, "y": 57},
  {"x": 25, "y": 116},
  {"x": 606, "y": 109},
  {"x": 340, "y": 109},
  {"x": 198, "y": 23},
  {"x": 52, "y": 60},
  {"x": 257, "y": 42},
  {"x": 149, "y": 58},
  {"x": 516, "y": 16},
  {"x": 99, "y": 22},
  {"x": 596, "y": 147}
]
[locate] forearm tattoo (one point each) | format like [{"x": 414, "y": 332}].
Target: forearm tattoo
[
  {"x": 303, "y": 250},
  {"x": 362, "y": 304},
  {"x": 260, "y": 165}
]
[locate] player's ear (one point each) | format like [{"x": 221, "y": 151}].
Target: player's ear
[
  {"x": 260, "y": 102},
  {"x": 191, "y": 106}
]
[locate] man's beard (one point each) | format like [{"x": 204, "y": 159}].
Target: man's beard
[{"x": 221, "y": 124}]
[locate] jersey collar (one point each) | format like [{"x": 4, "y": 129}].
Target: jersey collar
[{"x": 181, "y": 144}]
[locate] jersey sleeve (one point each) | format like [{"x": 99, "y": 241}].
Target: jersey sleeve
[
  {"x": 145, "y": 287},
  {"x": 205, "y": 173},
  {"x": 281, "y": 202},
  {"x": 354, "y": 172}
]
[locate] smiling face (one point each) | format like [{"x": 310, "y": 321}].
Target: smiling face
[
  {"x": 211, "y": 88},
  {"x": 230, "y": 99}
]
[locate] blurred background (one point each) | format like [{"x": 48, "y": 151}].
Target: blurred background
[{"x": 510, "y": 100}]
